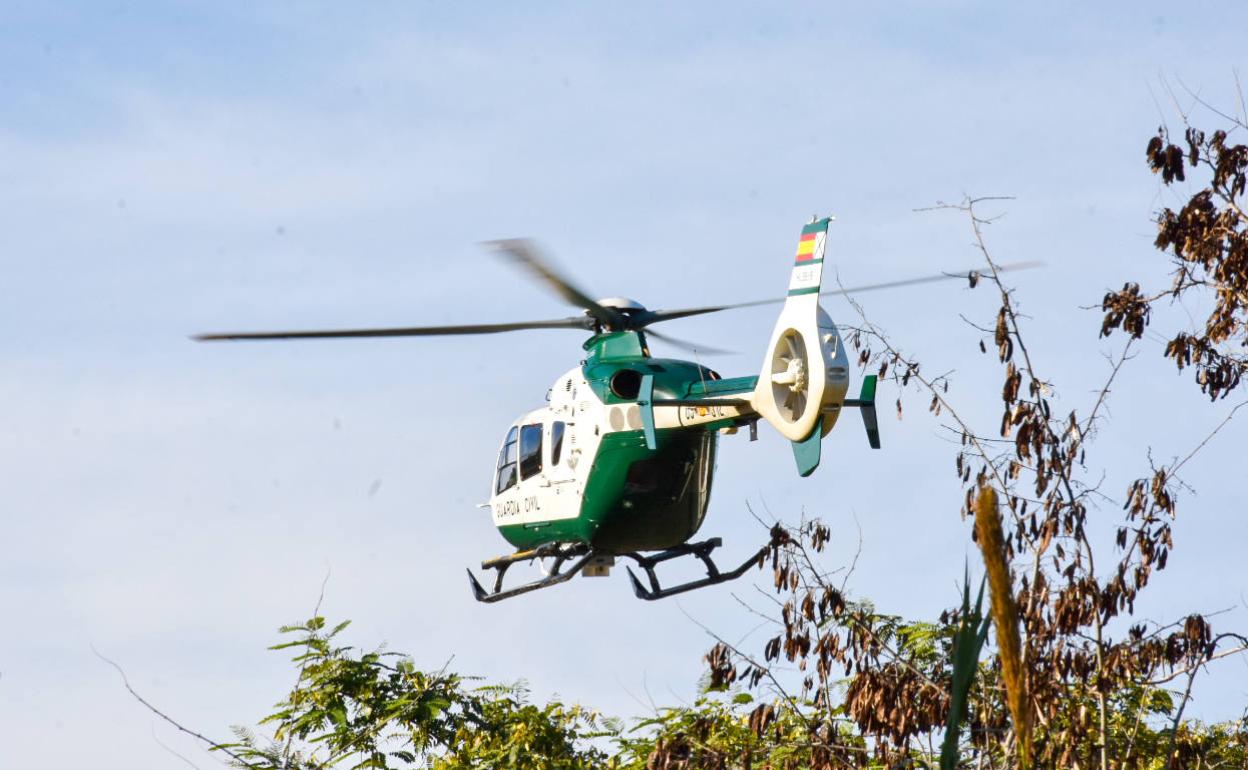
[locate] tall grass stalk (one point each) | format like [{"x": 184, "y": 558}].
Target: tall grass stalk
[
  {"x": 968, "y": 641},
  {"x": 1005, "y": 617}
]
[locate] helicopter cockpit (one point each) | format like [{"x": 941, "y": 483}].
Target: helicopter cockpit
[{"x": 521, "y": 457}]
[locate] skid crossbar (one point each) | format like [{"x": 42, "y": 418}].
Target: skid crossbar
[{"x": 576, "y": 556}]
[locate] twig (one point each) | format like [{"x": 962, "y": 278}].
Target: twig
[
  {"x": 765, "y": 669},
  {"x": 752, "y": 611},
  {"x": 199, "y": 736},
  {"x": 316, "y": 611},
  {"x": 853, "y": 565},
  {"x": 1178, "y": 717},
  {"x": 161, "y": 744},
  {"x": 1174, "y": 470},
  {"x": 1197, "y": 666},
  {"x": 1198, "y": 100},
  {"x": 1103, "y": 394}
]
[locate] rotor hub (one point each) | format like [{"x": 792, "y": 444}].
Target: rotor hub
[
  {"x": 794, "y": 376},
  {"x": 790, "y": 375},
  {"x": 629, "y": 313},
  {"x": 622, "y": 304}
]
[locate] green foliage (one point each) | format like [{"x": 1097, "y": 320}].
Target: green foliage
[
  {"x": 355, "y": 709},
  {"x": 1140, "y": 725},
  {"x": 360, "y": 710},
  {"x": 509, "y": 732},
  {"x": 736, "y": 731}
]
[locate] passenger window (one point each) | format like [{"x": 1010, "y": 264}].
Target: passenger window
[
  {"x": 506, "y": 478},
  {"x": 530, "y": 450},
  {"x": 556, "y": 442}
]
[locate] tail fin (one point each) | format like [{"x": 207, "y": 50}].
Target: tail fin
[{"x": 805, "y": 372}]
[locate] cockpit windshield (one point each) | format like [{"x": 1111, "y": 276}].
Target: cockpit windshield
[{"x": 506, "y": 478}]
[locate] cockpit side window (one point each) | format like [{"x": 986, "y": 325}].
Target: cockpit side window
[
  {"x": 506, "y": 478},
  {"x": 530, "y": 450},
  {"x": 556, "y": 442}
]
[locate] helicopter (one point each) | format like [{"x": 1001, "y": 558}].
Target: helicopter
[{"x": 620, "y": 462}]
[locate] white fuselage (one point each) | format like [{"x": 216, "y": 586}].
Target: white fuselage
[{"x": 546, "y": 482}]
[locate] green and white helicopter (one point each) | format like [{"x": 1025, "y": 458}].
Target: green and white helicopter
[{"x": 619, "y": 463}]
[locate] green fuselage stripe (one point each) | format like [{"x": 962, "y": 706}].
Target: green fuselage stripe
[
  {"x": 723, "y": 387},
  {"x": 807, "y": 290},
  {"x": 807, "y": 262}
]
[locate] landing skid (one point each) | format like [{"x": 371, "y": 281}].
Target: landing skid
[
  {"x": 700, "y": 550},
  {"x": 581, "y": 555},
  {"x": 560, "y": 552}
]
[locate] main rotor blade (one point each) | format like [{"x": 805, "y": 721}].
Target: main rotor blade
[
  {"x": 582, "y": 323},
  {"x": 525, "y": 252},
  {"x": 669, "y": 315},
  {"x": 689, "y": 346}
]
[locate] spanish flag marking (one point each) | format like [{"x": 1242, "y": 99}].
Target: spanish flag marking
[{"x": 806, "y": 247}]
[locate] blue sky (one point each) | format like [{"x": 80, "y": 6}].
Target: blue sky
[{"x": 182, "y": 167}]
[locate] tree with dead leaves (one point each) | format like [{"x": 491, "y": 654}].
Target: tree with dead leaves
[
  {"x": 1073, "y": 680},
  {"x": 1207, "y": 242}
]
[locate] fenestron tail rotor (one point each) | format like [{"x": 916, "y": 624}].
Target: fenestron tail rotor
[{"x": 790, "y": 376}]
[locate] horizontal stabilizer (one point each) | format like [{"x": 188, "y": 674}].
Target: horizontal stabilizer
[{"x": 866, "y": 404}]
